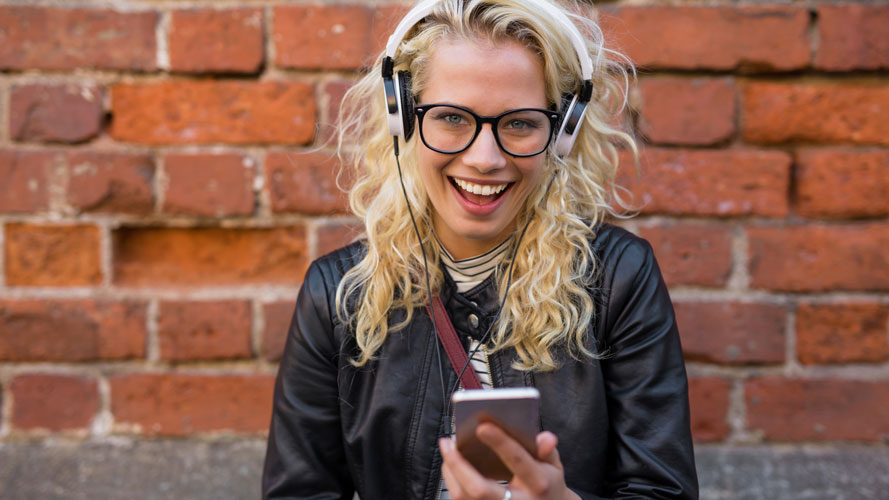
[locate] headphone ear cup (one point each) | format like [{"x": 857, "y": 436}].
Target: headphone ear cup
[
  {"x": 406, "y": 98},
  {"x": 573, "y": 109}
]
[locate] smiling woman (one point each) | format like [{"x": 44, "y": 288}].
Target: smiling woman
[{"x": 488, "y": 223}]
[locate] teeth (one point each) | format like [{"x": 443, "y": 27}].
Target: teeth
[{"x": 479, "y": 189}]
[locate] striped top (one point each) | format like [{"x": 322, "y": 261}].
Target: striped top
[{"x": 468, "y": 273}]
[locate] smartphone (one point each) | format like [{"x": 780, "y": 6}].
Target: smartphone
[{"x": 515, "y": 410}]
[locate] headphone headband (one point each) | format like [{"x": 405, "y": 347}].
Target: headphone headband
[{"x": 423, "y": 9}]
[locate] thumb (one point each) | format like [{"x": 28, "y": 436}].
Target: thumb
[{"x": 546, "y": 448}]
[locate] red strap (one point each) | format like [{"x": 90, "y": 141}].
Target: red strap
[{"x": 453, "y": 346}]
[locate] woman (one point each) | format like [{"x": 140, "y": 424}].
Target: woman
[{"x": 491, "y": 196}]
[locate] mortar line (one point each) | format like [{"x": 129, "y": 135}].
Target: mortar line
[
  {"x": 162, "y": 31},
  {"x": 257, "y": 327},
  {"x": 152, "y": 342}
]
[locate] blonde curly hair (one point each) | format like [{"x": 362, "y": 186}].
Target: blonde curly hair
[{"x": 549, "y": 304}]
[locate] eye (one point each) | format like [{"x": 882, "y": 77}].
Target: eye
[{"x": 519, "y": 124}]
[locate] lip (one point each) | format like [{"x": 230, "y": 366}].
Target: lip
[{"x": 474, "y": 208}]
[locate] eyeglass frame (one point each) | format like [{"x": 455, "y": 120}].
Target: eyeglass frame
[{"x": 481, "y": 120}]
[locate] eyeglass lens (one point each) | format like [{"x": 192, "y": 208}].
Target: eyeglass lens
[{"x": 450, "y": 129}]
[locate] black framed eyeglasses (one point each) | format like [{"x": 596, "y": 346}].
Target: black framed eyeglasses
[{"x": 451, "y": 129}]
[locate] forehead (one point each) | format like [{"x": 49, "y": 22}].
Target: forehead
[{"x": 485, "y": 75}]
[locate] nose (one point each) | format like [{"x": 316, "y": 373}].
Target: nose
[{"x": 484, "y": 154}]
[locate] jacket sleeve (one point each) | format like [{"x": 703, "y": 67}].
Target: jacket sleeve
[
  {"x": 305, "y": 456},
  {"x": 651, "y": 453}
]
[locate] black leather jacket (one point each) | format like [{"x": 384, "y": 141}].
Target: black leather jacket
[{"x": 622, "y": 422}]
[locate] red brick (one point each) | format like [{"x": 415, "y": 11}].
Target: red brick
[
  {"x": 852, "y": 37},
  {"x": 333, "y": 236},
  {"x": 332, "y": 36},
  {"x": 182, "y": 404},
  {"x": 732, "y": 332},
  {"x": 842, "y": 183},
  {"x": 212, "y": 185},
  {"x": 304, "y": 182},
  {"x": 209, "y": 256},
  {"x": 55, "y": 113},
  {"x": 694, "y": 111},
  {"x": 52, "y": 255},
  {"x": 71, "y": 330},
  {"x": 200, "y": 112},
  {"x": 204, "y": 330},
  {"x": 750, "y": 38},
  {"x": 25, "y": 177},
  {"x": 62, "y": 39},
  {"x": 110, "y": 182},
  {"x": 53, "y": 402},
  {"x": 709, "y": 182},
  {"x": 692, "y": 254},
  {"x": 842, "y": 333},
  {"x": 277, "y": 324},
  {"x": 709, "y": 402},
  {"x": 817, "y": 112},
  {"x": 816, "y": 258},
  {"x": 205, "y": 40},
  {"x": 332, "y": 93},
  {"x": 818, "y": 409}
]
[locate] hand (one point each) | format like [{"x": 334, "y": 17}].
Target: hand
[{"x": 540, "y": 477}]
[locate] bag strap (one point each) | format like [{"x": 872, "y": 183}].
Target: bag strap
[{"x": 453, "y": 346}]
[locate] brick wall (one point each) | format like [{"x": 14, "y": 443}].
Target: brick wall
[{"x": 162, "y": 197}]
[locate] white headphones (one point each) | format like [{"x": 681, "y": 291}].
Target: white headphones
[{"x": 400, "y": 100}]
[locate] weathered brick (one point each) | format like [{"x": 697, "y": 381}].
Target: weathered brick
[
  {"x": 181, "y": 404},
  {"x": 212, "y": 185},
  {"x": 709, "y": 182},
  {"x": 709, "y": 402},
  {"x": 693, "y": 111},
  {"x": 200, "y": 112},
  {"x": 206, "y": 40},
  {"x": 71, "y": 330},
  {"x": 53, "y": 402},
  {"x": 774, "y": 37},
  {"x": 304, "y": 182},
  {"x": 852, "y": 37},
  {"x": 62, "y": 39},
  {"x": 818, "y": 409},
  {"x": 842, "y": 333},
  {"x": 209, "y": 256},
  {"x": 818, "y": 112},
  {"x": 333, "y": 236},
  {"x": 110, "y": 182},
  {"x": 204, "y": 330},
  {"x": 692, "y": 254},
  {"x": 842, "y": 183},
  {"x": 814, "y": 257},
  {"x": 25, "y": 177},
  {"x": 332, "y": 93},
  {"x": 37, "y": 255},
  {"x": 331, "y": 36},
  {"x": 277, "y": 323},
  {"x": 732, "y": 332},
  {"x": 55, "y": 113}
]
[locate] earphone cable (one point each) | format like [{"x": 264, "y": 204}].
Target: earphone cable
[
  {"x": 444, "y": 395},
  {"x": 515, "y": 252}
]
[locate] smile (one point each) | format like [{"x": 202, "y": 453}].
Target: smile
[{"x": 484, "y": 190}]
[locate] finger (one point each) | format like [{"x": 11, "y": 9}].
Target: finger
[
  {"x": 451, "y": 482},
  {"x": 546, "y": 448},
  {"x": 513, "y": 454},
  {"x": 470, "y": 483}
]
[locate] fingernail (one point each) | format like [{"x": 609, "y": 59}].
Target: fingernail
[{"x": 446, "y": 445}]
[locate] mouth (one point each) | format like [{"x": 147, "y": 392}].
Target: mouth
[{"x": 480, "y": 194}]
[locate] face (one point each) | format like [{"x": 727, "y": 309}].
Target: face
[{"x": 477, "y": 194}]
